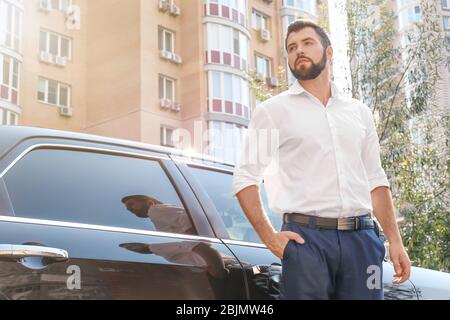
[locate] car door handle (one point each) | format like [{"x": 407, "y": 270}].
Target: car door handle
[{"x": 12, "y": 251}]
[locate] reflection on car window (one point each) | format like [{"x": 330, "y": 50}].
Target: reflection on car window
[
  {"x": 96, "y": 188},
  {"x": 218, "y": 186}
]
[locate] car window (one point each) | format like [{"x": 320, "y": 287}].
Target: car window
[
  {"x": 5, "y": 203},
  {"x": 218, "y": 186},
  {"x": 96, "y": 188}
]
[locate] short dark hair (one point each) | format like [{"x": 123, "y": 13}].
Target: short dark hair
[
  {"x": 300, "y": 24},
  {"x": 139, "y": 197}
]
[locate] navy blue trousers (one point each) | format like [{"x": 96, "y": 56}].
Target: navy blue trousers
[{"x": 332, "y": 264}]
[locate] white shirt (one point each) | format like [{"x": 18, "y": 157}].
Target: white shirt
[
  {"x": 169, "y": 218},
  {"x": 326, "y": 161}
]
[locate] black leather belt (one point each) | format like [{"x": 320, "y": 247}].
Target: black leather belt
[{"x": 351, "y": 223}]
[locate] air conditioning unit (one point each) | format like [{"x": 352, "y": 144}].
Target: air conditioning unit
[
  {"x": 176, "y": 58},
  {"x": 265, "y": 35},
  {"x": 273, "y": 81},
  {"x": 61, "y": 61},
  {"x": 164, "y": 5},
  {"x": 66, "y": 111},
  {"x": 175, "y": 10},
  {"x": 165, "y": 103},
  {"x": 45, "y": 5},
  {"x": 46, "y": 57},
  {"x": 176, "y": 107},
  {"x": 165, "y": 54},
  {"x": 73, "y": 15}
]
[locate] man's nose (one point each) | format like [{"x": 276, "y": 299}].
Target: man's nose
[{"x": 300, "y": 51}]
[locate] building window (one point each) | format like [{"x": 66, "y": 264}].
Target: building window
[
  {"x": 166, "y": 88},
  {"x": 10, "y": 25},
  {"x": 225, "y": 140},
  {"x": 167, "y": 136},
  {"x": 448, "y": 63},
  {"x": 448, "y": 43},
  {"x": 229, "y": 94},
  {"x": 260, "y": 21},
  {"x": 55, "y": 44},
  {"x": 262, "y": 66},
  {"x": 12, "y": 118},
  {"x": 410, "y": 15},
  {"x": 61, "y": 5},
  {"x": 8, "y": 118},
  {"x": 226, "y": 46},
  {"x": 446, "y": 23},
  {"x": 9, "y": 81},
  {"x": 54, "y": 92},
  {"x": 445, "y": 4},
  {"x": 308, "y": 6},
  {"x": 236, "y": 43},
  {"x": 166, "y": 40},
  {"x": 235, "y": 10}
]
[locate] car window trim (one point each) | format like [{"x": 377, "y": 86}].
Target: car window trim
[
  {"x": 77, "y": 148},
  {"x": 95, "y": 227},
  {"x": 244, "y": 243},
  {"x": 204, "y": 166}
]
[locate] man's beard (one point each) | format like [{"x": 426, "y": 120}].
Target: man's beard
[{"x": 310, "y": 73}]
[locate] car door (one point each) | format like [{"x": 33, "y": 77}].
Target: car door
[
  {"x": 87, "y": 221},
  {"x": 212, "y": 185}
]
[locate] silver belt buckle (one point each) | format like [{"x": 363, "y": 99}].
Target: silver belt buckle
[{"x": 347, "y": 223}]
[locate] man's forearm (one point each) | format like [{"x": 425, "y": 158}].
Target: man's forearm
[
  {"x": 251, "y": 203},
  {"x": 384, "y": 211}
]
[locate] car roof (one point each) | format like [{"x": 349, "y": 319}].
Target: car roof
[{"x": 12, "y": 135}]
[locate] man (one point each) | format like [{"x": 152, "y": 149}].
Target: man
[
  {"x": 165, "y": 217},
  {"x": 328, "y": 180}
]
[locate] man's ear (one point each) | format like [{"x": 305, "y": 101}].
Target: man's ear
[{"x": 330, "y": 53}]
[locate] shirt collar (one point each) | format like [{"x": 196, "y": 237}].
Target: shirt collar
[{"x": 296, "y": 88}]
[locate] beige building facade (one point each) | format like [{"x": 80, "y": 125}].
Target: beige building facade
[{"x": 139, "y": 69}]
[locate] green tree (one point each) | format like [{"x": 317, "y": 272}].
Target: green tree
[{"x": 398, "y": 82}]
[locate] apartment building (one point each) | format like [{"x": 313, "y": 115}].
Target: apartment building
[
  {"x": 139, "y": 69},
  {"x": 409, "y": 12},
  {"x": 444, "y": 95}
]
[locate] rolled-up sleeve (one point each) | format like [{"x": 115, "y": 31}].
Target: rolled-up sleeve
[
  {"x": 258, "y": 149},
  {"x": 371, "y": 153}
]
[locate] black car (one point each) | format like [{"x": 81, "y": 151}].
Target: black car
[{"x": 88, "y": 217}]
